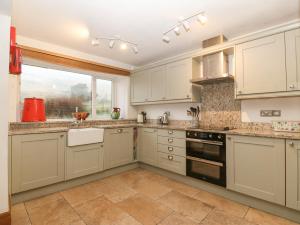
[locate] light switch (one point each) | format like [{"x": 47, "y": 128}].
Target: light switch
[
  {"x": 276, "y": 113},
  {"x": 266, "y": 113}
]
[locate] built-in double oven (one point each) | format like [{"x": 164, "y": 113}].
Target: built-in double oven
[{"x": 206, "y": 156}]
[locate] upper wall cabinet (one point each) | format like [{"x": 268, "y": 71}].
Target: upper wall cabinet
[
  {"x": 269, "y": 66},
  {"x": 292, "y": 39},
  {"x": 166, "y": 83},
  {"x": 260, "y": 66}
]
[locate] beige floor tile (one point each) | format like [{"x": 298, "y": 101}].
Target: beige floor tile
[
  {"x": 145, "y": 210},
  {"x": 177, "y": 219},
  {"x": 54, "y": 213},
  {"x": 150, "y": 188},
  {"x": 262, "y": 218},
  {"x": 19, "y": 215},
  {"x": 217, "y": 217},
  {"x": 80, "y": 194},
  {"x": 183, "y": 204},
  {"x": 180, "y": 187},
  {"x": 127, "y": 178},
  {"x": 101, "y": 211},
  {"x": 43, "y": 200},
  {"x": 221, "y": 203}
]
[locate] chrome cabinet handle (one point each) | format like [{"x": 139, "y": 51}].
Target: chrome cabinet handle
[
  {"x": 170, "y": 132},
  {"x": 170, "y": 140},
  {"x": 170, "y": 157},
  {"x": 170, "y": 149},
  {"x": 120, "y": 130},
  {"x": 292, "y": 86},
  {"x": 61, "y": 136},
  {"x": 291, "y": 143}
]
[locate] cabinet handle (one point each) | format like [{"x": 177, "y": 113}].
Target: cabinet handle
[
  {"x": 187, "y": 96},
  {"x": 170, "y": 140},
  {"x": 239, "y": 92},
  {"x": 170, "y": 157},
  {"x": 120, "y": 130},
  {"x": 61, "y": 136},
  {"x": 229, "y": 138},
  {"x": 163, "y": 98},
  {"x": 291, "y": 143},
  {"x": 170, "y": 132},
  {"x": 170, "y": 149},
  {"x": 292, "y": 86},
  {"x": 101, "y": 146}
]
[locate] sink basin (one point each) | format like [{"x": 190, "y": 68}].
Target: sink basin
[{"x": 85, "y": 136}]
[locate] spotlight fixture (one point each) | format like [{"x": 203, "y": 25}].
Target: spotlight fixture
[
  {"x": 185, "y": 23},
  {"x": 112, "y": 41}
]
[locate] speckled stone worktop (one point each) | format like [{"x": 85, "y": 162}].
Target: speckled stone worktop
[{"x": 182, "y": 126}]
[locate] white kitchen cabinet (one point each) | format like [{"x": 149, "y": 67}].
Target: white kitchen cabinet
[
  {"x": 140, "y": 89},
  {"x": 260, "y": 66},
  {"x": 157, "y": 78},
  {"x": 178, "y": 78},
  {"x": 147, "y": 149},
  {"x": 84, "y": 160},
  {"x": 292, "y": 40},
  {"x": 256, "y": 167},
  {"x": 293, "y": 174},
  {"x": 37, "y": 160},
  {"x": 118, "y": 147}
]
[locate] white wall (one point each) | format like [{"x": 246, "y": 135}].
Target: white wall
[
  {"x": 4, "y": 98},
  {"x": 178, "y": 111},
  {"x": 290, "y": 109}
]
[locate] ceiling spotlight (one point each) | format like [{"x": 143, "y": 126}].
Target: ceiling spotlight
[
  {"x": 166, "y": 39},
  {"x": 123, "y": 46},
  {"x": 202, "y": 19},
  {"x": 186, "y": 26},
  {"x": 111, "y": 43},
  {"x": 135, "y": 49},
  {"x": 95, "y": 42},
  {"x": 177, "y": 30}
]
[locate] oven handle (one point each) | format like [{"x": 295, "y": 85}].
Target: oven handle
[
  {"x": 205, "y": 141},
  {"x": 205, "y": 161}
]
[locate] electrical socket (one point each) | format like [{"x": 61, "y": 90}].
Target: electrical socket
[{"x": 270, "y": 113}]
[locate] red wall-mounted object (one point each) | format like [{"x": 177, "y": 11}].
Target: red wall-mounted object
[
  {"x": 15, "y": 60},
  {"x": 34, "y": 110}
]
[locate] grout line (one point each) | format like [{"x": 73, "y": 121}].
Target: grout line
[
  {"x": 27, "y": 213},
  {"x": 246, "y": 212}
]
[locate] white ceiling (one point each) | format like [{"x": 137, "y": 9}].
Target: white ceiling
[{"x": 63, "y": 22}]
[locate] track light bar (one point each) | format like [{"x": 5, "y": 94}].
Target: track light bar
[
  {"x": 114, "y": 40},
  {"x": 185, "y": 23}
]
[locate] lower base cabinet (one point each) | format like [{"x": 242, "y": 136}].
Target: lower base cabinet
[
  {"x": 293, "y": 174},
  {"x": 84, "y": 160},
  {"x": 37, "y": 160},
  {"x": 173, "y": 163},
  {"x": 148, "y": 146},
  {"x": 118, "y": 147},
  {"x": 256, "y": 167}
]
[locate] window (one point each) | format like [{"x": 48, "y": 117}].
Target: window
[{"x": 64, "y": 91}]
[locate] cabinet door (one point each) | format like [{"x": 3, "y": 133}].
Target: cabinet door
[
  {"x": 158, "y": 83},
  {"x": 118, "y": 147},
  {"x": 293, "y": 174},
  {"x": 292, "y": 41},
  {"x": 37, "y": 160},
  {"x": 256, "y": 167},
  {"x": 84, "y": 160},
  {"x": 178, "y": 78},
  {"x": 260, "y": 66},
  {"x": 148, "y": 146},
  {"x": 140, "y": 87}
]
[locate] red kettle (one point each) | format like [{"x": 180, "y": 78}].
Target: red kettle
[{"x": 34, "y": 110}]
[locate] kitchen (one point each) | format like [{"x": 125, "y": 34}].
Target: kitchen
[{"x": 194, "y": 120}]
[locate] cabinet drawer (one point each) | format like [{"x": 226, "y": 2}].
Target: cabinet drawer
[
  {"x": 176, "y": 164},
  {"x": 168, "y": 149},
  {"x": 171, "y": 133},
  {"x": 120, "y": 130},
  {"x": 171, "y": 141}
]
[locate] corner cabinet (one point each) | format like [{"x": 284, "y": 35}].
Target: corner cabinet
[
  {"x": 293, "y": 174},
  {"x": 84, "y": 160},
  {"x": 118, "y": 147},
  {"x": 165, "y": 83},
  {"x": 256, "y": 167},
  {"x": 147, "y": 148},
  {"x": 37, "y": 160}
]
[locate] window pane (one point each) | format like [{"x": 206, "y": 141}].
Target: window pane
[
  {"x": 61, "y": 90},
  {"x": 103, "y": 98}
]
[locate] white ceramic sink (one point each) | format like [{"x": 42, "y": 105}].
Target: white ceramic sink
[{"x": 85, "y": 136}]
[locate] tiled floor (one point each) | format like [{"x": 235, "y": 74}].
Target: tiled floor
[{"x": 138, "y": 197}]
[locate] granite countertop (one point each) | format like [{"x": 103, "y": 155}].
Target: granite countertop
[{"x": 243, "y": 132}]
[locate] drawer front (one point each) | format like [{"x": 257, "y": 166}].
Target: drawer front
[
  {"x": 176, "y": 164},
  {"x": 171, "y": 133},
  {"x": 169, "y": 149},
  {"x": 171, "y": 141},
  {"x": 120, "y": 130}
]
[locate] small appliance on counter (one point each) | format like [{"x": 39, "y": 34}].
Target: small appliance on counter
[
  {"x": 34, "y": 110},
  {"x": 164, "y": 119},
  {"x": 142, "y": 117}
]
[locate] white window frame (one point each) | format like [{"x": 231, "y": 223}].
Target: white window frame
[{"x": 94, "y": 76}]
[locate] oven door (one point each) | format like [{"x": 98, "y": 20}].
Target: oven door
[
  {"x": 205, "y": 149},
  {"x": 210, "y": 171}
]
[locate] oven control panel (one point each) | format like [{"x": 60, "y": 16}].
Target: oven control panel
[{"x": 206, "y": 136}]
